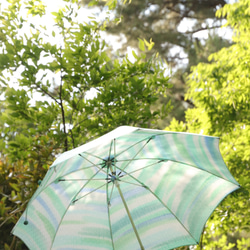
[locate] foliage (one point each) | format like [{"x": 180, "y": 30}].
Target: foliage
[
  {"x": 159, "y": 20},
  {"x": 177, "y": 28},
  {"x": 220, "y": 92},
  {"x": 19, "y": 181},
  {"x": 46, "y": 78}
]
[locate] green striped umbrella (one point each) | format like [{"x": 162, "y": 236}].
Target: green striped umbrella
[{"x": 132, "y": 188}]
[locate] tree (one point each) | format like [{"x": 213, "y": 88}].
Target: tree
[
  {"x": 164, "y": 22},
  {"x": 46, "y": 76},
  {"x": 160, "y": 20},
  {"x": 220, "y": 91}
]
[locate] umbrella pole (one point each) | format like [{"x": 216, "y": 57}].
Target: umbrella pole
[{"x": 129, "y": 215}]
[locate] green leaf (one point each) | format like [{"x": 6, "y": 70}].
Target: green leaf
[
  {"x": 14, "y": 144},
  {"x": 134, "y": 54},
  {"x": 15, "y": 187},
  {"x": 141, "y": 45}
]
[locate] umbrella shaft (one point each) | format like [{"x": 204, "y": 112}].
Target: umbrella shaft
[{"x": 129, "y": 215}]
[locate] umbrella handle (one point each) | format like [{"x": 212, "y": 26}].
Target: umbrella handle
[{"x": 129, "y": 215}]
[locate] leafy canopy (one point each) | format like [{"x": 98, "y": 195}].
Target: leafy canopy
[
  {"x": 220, "y": 91},
  {"x": 47, "y": 75}
]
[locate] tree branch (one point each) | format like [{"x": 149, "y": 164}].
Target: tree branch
[
  {"x": 72, "y": 137},
  {"x": 47, "y": 93},
  {"x": 62, "y": 108},
  {"x": 201, "y": 29},
  {"x": 63, "y": 119}
]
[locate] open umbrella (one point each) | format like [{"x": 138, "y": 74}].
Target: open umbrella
[{"x": 132, "y": 188}]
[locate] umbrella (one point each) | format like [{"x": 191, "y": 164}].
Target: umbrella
[{"x": 132, "y": 188}]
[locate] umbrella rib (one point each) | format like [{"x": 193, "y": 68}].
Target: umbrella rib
[
  {"x": 91, "y": 155},
  {"x": 172, "y": 214},
  {"x": 88, "y": 193},
  {"x": 110, "y": 148},
  {"x": 203, "y": 170},
  {"x": 162, "y": 204},
  {"x": 184, "y": 163},
  {"x": 159, "y": 161},
  {"x": 111, "y": 193},
  {"x": 139, "y": 185},
  {"x": 77, "y": 171},
  {"x": 114, "y": 148},
  {"x": 96, "y": 165},
  {"x": 70, "y": 203},
  {"x": 101, "y": 179},
  {"x": 138, "y": 159},
  {"x": 114, "y": 151},
  {"x": 149, "y": 139}
]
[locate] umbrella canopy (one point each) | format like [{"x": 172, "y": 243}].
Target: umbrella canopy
[{"x": 132, "y": 188}]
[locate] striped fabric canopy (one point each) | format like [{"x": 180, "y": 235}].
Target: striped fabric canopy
[{"x": 132, "y": 188}]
